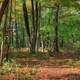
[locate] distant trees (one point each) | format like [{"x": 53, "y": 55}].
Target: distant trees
[
  {"x": 34, "y": 30},
  {"x": 45, "y": 23},
  {"x": 35, "y": 22}
]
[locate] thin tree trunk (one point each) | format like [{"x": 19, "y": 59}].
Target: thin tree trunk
[
  {"x": 33, "y": 41},
  {"x": 16, "y": 27},
  {"x": 39, "y": 23},
  {"x": 1, "y": 55},
  {"x": 37, "y": 26},
  {"x": 17, "y": 36},
  {"x": 25, "y": 12},
  {"x": 56, "y": 42}
]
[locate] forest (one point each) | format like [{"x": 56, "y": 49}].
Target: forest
[{"x": 39, "y": 39}]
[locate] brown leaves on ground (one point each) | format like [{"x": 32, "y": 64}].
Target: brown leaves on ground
[
  {"x": 58, "y": 74},
  {"x": 47, "y": 73},
  {"x": 14, "y": 76},
  {"x": 8, "y": 77},
  {"x": 24, "y": 70}
]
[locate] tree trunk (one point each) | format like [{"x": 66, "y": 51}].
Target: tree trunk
[
  {"x": 56, "y": 42},
  {"x": 37, "y": 26},
  {"x": 35, "y": 21},
  {"x": 1, "y": 55},
  {"x": 25, "y": 12},
  {"x": 33, "y": 40},
  {"x": 5, "y": 35},
  {"x": 3, "y": 7}
]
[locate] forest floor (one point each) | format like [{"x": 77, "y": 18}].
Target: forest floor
[
  {"x": 62, "y": 67},
  {"x": 48, "y": 73},
  {"x": 57, "y": 69},
  {"x": 58, "y": 74}
]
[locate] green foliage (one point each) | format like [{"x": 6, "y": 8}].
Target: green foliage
[{"x": 68, "y": 27}]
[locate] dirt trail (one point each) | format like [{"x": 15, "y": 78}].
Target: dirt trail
[{"x": 58, "y": 74}]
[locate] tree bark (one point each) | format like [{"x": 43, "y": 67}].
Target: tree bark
[
  {"x": 3, "y": 7},
  {"x": 37, "y": 26},
  {"x": 35, "y": 22},
  {"x": 56, "y": 42},
  {"x": 33, "y": 40},
  {"x": 25, "y": 12}
]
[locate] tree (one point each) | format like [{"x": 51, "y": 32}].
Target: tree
[
  {"x": 35, "y": 24},
  {"x": 3, "y": 7},
  {"x": 25, "y": 12},
  {"x": 56, "y": 42}
]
